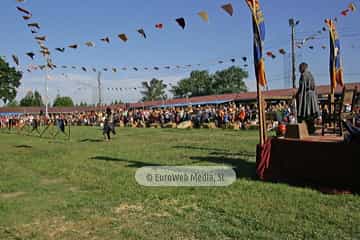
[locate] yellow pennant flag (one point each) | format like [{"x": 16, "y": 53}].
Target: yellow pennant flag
[{"x": 204, "y": 15}]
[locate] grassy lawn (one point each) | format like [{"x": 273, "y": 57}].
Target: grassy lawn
[{"x": 85, "y": 189}]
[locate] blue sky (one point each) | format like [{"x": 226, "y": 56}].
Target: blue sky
[{"x": 67, "y": 22}]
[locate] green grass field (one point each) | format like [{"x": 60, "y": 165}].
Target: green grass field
[{"x": 85, "y": 189}]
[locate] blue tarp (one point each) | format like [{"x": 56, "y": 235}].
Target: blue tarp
[
  {"x": 193, "y": 103},
  {"x": 8, "y": 114}
]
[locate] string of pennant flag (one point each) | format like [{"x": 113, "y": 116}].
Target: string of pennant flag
[
  {"x": 35, "y": 28},
  {"x": 243, "y": 62},
  {"x": 313, "y": 36},
  {"x": 40, "y": 40}
]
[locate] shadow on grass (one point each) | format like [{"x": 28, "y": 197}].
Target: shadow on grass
[
  {"x": 91, "y": 140},
  {"x": 239, "y": 161},
  {"x": 23, "y": 146},
  {"x": 243, "y": 168},
  {"x": 217, "y": 151},
  {"x": 199, "y": 148},
  {"x": 133, "y": 164},
  {"x": 242, "y": 154}
]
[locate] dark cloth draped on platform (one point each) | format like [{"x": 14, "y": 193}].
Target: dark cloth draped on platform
[
  {"x": 332, "y": 165},
  {"x": 307, "y": 100}
]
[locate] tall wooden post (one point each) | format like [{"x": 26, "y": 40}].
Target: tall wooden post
[
  {"x": 332, "y": 107},
  {"x": 260, "y": 100},
  {"x": 264, "y": 116},
  {"x": 260, "y": 113}
]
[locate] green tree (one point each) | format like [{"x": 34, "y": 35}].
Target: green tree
[
  {"x": 201, "y": 83},
  {"x": 32, "y": 99},
  {"x": 198, "y": 84},
  {"x": 154, "y": 90},
  {"x": 37, "y": 99},
  {"x": 83, "y": 104},
  {"x": 63, "y": 102},
  {"x": 230, "y": 80},
  {"x": 12, "y": 103},
  {"x": 9, "y": 81}
]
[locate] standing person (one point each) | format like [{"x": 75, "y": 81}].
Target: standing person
[
  {"x": 308, "y": 108},
  {"x": 108, "y": 124}
]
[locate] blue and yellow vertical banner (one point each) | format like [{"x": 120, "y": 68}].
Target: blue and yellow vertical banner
[
  {"x": 336, "y": 69},
  {"x": 259, "y": 38}
]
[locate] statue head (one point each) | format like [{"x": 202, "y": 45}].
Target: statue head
[{"x": 303, "y": 67}]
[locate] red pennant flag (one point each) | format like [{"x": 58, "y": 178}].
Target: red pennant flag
[{"x": 159, "y": 26}]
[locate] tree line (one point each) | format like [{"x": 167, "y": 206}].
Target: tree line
[{"x": 199, "y": 83}]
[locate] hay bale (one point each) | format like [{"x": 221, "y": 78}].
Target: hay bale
[
  {"x": 141, "y": 124},
  {"x": 209, "y": 125},
  {"x": 121, "y": 124},
  {"x": 185, "y": 125},
  {"x": 155, "y": 125},
  {"x": 170, "y": 125},
  {"x": 234, "y": 126}
]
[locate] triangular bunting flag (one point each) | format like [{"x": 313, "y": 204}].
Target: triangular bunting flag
[
  {"x": 142, "y": 32},
  {"x": 24, "y": 10},
  {"x": 181, "y": 22},
  {"x": 41, "y": 38},
  {"x": 352, "y": 7},
  {"x": 159, "y": 26},
  {"x": 106, "y": 39},
  {"x": 228, "y": 8},
  {"x": 60, "y": 49},
  {"x": 74, "y": 46},
  {"x": 90, "y": 44},
  {"x": 31, "y": 55},
  {"x": 204, "y": 15},
  {"x": 35, "y": 25},
  {"x": 16, "y": 59},
  {"x": 123, "y": 37}
]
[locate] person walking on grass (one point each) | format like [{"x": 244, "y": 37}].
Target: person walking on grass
[{"x": 109, "y": 126}]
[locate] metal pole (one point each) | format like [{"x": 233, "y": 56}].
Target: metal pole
[
  {"x": 293, "y": 60},
  {"x": 99, "y": 88},
  {"x": 292, "y": 24},
  {"x": 46, "y": 88}
]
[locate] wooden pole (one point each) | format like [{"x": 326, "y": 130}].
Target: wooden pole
[
  {"x": 260, "y": 114},
  {"x": 264, "y": 117},
  {"x": 332, "y": 108}
]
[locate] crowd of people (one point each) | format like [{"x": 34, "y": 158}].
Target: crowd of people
[
  {"x": 219, "y": 116},
  {"x": 236, "y": 116}
]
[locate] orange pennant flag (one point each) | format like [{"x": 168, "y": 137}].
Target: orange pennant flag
[
  {"x": 204, "y": 15},
  {"x": 123, "y": 37}
]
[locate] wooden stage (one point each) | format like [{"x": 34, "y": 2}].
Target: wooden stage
[
  {"x": 318, "y": 138},
  {"x": 320, "y": 161}
]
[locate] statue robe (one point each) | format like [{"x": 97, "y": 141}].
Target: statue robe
[{"x": 308, "y": 107}]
